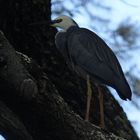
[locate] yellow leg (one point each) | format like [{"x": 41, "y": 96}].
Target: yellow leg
[
  {"x": 89, "y": 95},
  {"x": 101, "y": 100}
]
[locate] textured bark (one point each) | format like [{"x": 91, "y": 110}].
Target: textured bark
[
  {"x": 45, "y": 115},
  {"x": 42, "y": 94},
  {"x": 10, "y": 125},
  {"x": 13, "y": 72}
]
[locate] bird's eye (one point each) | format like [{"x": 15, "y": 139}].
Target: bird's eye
[{"x": 59, "y": 20}]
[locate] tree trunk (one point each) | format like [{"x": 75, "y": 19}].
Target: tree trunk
[{"x": 41, "y": 99}]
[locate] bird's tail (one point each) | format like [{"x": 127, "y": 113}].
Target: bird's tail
[{"x": 123, "y": 89}]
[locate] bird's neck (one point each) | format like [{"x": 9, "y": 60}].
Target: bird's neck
[
  {"x": 68, "y": 27},
  {"x": 72, "y": 28}
]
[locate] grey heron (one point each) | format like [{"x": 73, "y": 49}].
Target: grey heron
[{"x": 91, "y": 58}]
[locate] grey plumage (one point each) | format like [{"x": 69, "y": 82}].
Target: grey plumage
[{"x": 89, "y": 55}]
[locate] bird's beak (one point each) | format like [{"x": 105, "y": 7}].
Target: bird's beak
[{"x": 51, "y": 23}]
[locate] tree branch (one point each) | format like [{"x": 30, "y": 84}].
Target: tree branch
[
  {"x": 10, "y": 126},
  {"x": 13, "y": 72},
  {"x": 51, "y": 116}
]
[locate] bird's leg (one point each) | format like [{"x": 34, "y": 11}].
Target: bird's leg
[
  {"x": 89, "y": 94},
  {"x": 101, "y": 100}
]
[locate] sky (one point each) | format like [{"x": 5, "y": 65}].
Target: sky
[
  {"x": 1, "y": 138},
  {"x": 121, "y": 10}
]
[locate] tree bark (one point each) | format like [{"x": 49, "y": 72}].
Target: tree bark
[
  {"x": 41, "y": 98},
  {"x": 10, "y": 125}
]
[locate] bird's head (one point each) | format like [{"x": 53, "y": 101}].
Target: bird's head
[{"x": 63, "y": 22}]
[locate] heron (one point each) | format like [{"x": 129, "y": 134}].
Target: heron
[{"x": 92, "y": 59}]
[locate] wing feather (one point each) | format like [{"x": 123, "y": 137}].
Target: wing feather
[{"x": 93, "y": 55}]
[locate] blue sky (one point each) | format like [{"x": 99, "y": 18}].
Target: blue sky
[
  {"x": 1, "y": 138},
  {"x": 121, "y": 11}
]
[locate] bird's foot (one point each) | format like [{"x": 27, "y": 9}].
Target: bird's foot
[{"x": 102, "y": 125}]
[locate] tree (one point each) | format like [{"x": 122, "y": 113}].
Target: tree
[{"x": 40, "y": 97}]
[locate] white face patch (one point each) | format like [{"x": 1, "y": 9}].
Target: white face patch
[{"x": 65, "y": 23}]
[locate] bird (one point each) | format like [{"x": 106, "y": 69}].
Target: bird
[{"x": 92, "y": 59}]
